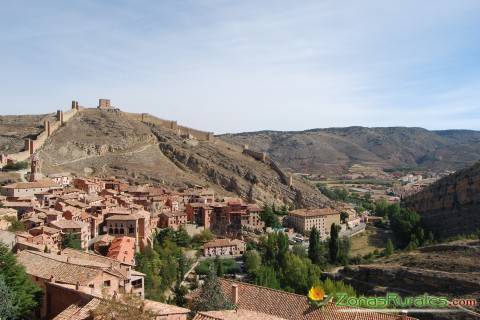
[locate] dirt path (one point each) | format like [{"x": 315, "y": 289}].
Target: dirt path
[{"x": 141, "y": 149}]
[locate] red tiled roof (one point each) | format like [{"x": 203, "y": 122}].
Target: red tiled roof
[
  {"x": 122, "y": 249},
  {"x": 293, "y": 306},
  {"x": 234, "y": 315}
]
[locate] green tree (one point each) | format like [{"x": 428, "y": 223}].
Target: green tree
[
  {"x": 252, "y": 261},
  {"x": 344, "y": 250},
  {"x": 269, "y": 217},
  {"x": 334, "y": 244},
  {"x": 21, "y": 165},
  {"x": 27, "y": 294},
  {"x": 182, "y": 238},
  {"x": 343, "y": 217},
  {"x": 314, "y": 245},
  {"x": 381, "y": 208},
  {"x": 389, "y": 248},
  {"x": 7, "y": 301},
  {"x": 202, "y": 237},
  {"x": 15, "y": 225},
  {"x": 332, "y": 287},
  {"x": 299, "y": 250},
  {"x": 299, "y": 274},
  {"x": 212, "y": 296},
  {"x": 219, "y": 267},
  {"x": 71, "y": 240},
  {"x": 266, "y": 276},
  {"x": 179, "y": 292}
]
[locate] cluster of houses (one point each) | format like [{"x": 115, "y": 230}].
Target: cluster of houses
[{"x": 111, "y": 220}]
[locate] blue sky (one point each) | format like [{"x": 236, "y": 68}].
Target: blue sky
[{"x": 231, "y": 66}]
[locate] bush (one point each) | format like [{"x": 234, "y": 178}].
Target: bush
[{"x": 21, "y": 165}]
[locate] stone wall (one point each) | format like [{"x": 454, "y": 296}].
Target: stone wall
[
  {"x": 262, "y": 156},
  {"x": 172, "y": 125},
  {"x": 32, "y": 145},
  {"x": 450, "y": 206}
]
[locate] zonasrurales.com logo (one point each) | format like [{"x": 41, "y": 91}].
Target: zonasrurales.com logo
[{"x": 391, "y": 302}]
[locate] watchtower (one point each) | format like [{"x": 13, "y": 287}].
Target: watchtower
[{"x": 104, "y": 104}]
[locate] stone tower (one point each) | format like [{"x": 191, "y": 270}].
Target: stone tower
[{"x": 34, "y": 169}]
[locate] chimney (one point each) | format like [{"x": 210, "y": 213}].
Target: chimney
[
  {"x": 235, "y": 296},
  {"x": 52, "y": 279},
  {"x": 77, "y": 286}
]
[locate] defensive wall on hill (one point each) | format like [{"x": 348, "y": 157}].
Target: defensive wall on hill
[
  {"x": 172, "y": 125},
  {"x": 32, "y": 145},
  {"x": 262, "y": 156}
]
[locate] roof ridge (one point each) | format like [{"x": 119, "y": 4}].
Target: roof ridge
[
  {"x": 265, "y": 288},
  {"x": 51, "y": 256}
]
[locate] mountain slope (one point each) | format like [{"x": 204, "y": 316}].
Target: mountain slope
[
  {"x": 333, "y": 150},
  {"x": 451, "y": 205},
  {"x": 97, "y": 142}
]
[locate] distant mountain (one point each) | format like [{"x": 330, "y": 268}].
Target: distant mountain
[
  {"x": 333, "y": 150},
  {"x": 450, "y": 206},
  {"x": 106, "y": 142}
]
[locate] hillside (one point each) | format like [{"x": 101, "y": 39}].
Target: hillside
[
  {"x": 451, "y": 205},
  {"x": 333, "y": 150},
  {"x": 450, "y": 270},
  {"x": 15, "y": 129},
  {"x": 98, "y": 142}
]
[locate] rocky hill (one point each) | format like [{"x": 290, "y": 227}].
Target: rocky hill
[
  {"x": 334, "y": 150},
  {"x": 108, "y": 142},
  {"x": 451, "y": 205}
]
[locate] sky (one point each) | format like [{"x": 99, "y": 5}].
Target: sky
[{"x": 248, "y": 65}]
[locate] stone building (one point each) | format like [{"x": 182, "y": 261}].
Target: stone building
[
  {"x": 224, "y": 247},
  {"x": 303, "y": 220},
  {"x": 172, "y": 219}
]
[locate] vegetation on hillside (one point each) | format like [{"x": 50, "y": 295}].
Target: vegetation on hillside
[
  {"x": 21, "y": 165},
  {"x": 212, "y": 296},
  {"x": 165, "y": 263},
  {"x": 19, "y": 295},
  {"x": 273, "y": 265},
  {"x": 71, "y": 240}
]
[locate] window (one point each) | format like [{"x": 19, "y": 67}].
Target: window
[{"x": 106, "y": 283}]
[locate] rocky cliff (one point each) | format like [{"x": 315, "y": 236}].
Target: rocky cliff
[{"x": 451, "y": 205}]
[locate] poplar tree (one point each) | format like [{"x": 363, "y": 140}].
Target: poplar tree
[
  {"x": 314, "y": 250},
  {"x": 334, "y": 243}
]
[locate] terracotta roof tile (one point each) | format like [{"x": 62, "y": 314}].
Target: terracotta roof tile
[
  {"x": 292, "y": 306},
  {"x": 234, "y": 315},
  {"x": 44, "y": 265}
]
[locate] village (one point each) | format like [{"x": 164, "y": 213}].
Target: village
[
  {"x": 84, "y": 240},
  {"x": 82, "y": 234}
]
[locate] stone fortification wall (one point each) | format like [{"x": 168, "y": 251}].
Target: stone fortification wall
[
  {"x": 262, "y": 156},
  {"x": 172, "y": 125},
  {"x": 32, "y": 145}
]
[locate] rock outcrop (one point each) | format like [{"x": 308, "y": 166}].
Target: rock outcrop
[{"x": 450, "y": 206}]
